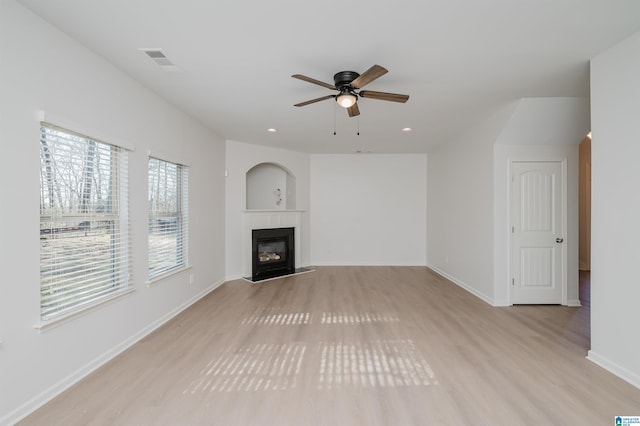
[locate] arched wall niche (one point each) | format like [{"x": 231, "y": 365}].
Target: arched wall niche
[{"x": 270, "y": 186}]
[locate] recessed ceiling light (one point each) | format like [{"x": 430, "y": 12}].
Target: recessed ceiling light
[
  {"x": 272, "y": 130},
  {"x": 407, "y": 129}
]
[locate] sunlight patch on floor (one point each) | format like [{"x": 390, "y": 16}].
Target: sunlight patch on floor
[
  {"x": 275, "y": 317},
  {"x": 356, "y": 318},
  {"x": 263, "y": 367},
  {"x": 379, "y": 363}
]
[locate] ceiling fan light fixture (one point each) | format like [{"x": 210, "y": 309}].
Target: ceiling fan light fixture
[{"x": 346, "y": 99}]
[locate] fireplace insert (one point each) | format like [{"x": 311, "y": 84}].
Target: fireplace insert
[{"x": 273, "y": 253}]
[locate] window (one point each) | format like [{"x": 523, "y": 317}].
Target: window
[
  {"x": 84, "y": 238},
  {"x": 168, "y": 217}
]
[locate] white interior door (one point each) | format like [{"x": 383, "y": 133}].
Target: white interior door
[{"x": 537, "y": 234}]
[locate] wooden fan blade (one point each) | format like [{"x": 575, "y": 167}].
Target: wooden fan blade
[
  {"x": 353, "y": 110},
  {"x": 315, "y": 100},
  {"x": 384, "y": 96},
  {"x": 368, "y": 76},
  {"x": 314, "y": 81}
]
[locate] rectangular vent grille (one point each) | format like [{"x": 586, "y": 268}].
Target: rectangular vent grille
[
  {"x": 159, "y": 58},
  {"x": 154, "y": 54}
]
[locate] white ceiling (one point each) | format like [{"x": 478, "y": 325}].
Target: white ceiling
[{"x": 459, "y": 60}]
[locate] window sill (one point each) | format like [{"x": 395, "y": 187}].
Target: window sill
[
  {"x": 156, "y": 280},
  {"x": 46, "y": 325}
]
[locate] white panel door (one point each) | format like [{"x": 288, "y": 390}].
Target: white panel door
[{"x": 537, "y": 234}]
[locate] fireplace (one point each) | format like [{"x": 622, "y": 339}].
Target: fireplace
[{"x": 273, "y": 253}]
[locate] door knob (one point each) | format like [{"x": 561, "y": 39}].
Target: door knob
[{"x": 559, "y": 240}]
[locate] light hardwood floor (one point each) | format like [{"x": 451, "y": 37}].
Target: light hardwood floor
[{"x": 353, "y": 346}]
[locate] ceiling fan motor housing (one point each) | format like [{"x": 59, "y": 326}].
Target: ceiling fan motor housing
[{"x": 343, "y": 79}]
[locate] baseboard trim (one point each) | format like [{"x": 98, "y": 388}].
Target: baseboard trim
[
  {"x": 381, "y": 263},
  {"x": 500, "y": 303},
  {"x": 233, "y": 277},
  {"x": 47, "y": 395},
  {"x": 617, "y": 370},
  {"x": 463, "y": 285}
]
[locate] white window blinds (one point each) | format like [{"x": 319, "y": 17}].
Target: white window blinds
[
  {"x": 168, "y": 217},
  {"x": 84, "y": 225}
]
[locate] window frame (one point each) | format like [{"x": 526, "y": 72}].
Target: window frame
[
  {"x": 181, "y": 214},
  {"x": 117, "y": 271}
]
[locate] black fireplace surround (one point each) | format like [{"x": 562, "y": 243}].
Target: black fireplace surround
[{"x": 273, "y": 253}]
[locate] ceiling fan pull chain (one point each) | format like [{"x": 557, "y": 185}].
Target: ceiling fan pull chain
[
  {"x": 334, "y": 120},
  {"x": 358, "y": 133}
]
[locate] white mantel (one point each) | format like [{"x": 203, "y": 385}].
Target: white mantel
[{"x": 266, "y": 219}]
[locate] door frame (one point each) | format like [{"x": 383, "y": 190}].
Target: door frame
[
  {"x": 503, "y": 156},
  {"x": 563, "y": 220}
]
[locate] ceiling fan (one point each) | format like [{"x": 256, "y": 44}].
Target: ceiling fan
[{"x": 346, "y": 83}]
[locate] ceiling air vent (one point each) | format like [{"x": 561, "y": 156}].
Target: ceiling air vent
[{"x": 159, "y": 58}]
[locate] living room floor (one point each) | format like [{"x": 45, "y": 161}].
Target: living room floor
[{"x": 353, "y": 346}]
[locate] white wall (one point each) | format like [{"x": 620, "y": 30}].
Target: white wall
[
  {"x": 540, "y": 129},
  {"x": 547, "y": 121},
  {"x": 460, "y": 207},
  {"x": 43, "y": 69},
  {"x": 615, "y": 252},
  {"x": 368, "y": 209},
  {"x": 240, "y": 158}
]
